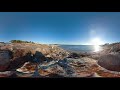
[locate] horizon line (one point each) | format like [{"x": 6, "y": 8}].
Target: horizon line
[{"x": 57, "y": 43}]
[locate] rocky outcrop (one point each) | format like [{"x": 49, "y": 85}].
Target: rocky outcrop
[
  {"x": 109, "y": 57},
  {"x": 14, "y": 55},
  {"x": 59, "y": 68},
  {"x": 19, "y": 57},
  {"x": 52, "y": 51},
  {"x": 4, "y": 59},
  {"x": 111, "y": 48}
]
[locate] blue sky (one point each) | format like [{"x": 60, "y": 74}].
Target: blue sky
[{"x": 60, "y": 27}]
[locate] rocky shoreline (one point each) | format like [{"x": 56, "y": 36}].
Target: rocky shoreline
[{"x": 50, "y": 61}]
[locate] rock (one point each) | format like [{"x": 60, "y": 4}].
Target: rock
[
  {"x": 20, "y": 56},
  {"x": 39, "y": 57},
  {"x": 27, "y": 70},
  {"x": 6, "y": 73},
  {"x": 110, "y": 62},
  {"x": 61, "y": 68},
  {"x": 68, "y": 69},
  {"x": 95, "y": 56},
  {"x": 54, "y": 52},
  {"x": 111, "y": 48},
  {"x": 47, "y": 65},
  {"x": 20, "y": 74},
  {"x": 53, "y": 75},
  {"x": 14, "y": 55},
  {"x": 74, "y": 55},
  {"x": 56, "y": 69},
  {"x": 94, "y": 75},
  {"x": 36, "y": 73},
  {"x": 4, "y": 59},
  {"x": 28, "y": 67},
  {"x": 63, "y": 63}
]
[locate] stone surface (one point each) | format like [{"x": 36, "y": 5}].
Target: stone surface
[
  {"x": 110, "y": 62},
  {"x": 7, "y": 73},
  {"x": 4, "y": 59},
  {"x": 24, "y": 52},
  {"x": 27, "y": 68}
]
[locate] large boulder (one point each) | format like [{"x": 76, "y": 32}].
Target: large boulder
[
  {"x": 39, "y": 57},
  {"x": 110, "y": 62},
  {"x": 28, "y": 67},
  {"x": 19, "y": 57},
  {"x": 4, "y": 59}
]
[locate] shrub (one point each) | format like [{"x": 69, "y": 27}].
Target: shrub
[{"x": 20, "y": 41}]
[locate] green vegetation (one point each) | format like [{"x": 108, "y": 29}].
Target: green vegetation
[{"x": 20, "y": 41}]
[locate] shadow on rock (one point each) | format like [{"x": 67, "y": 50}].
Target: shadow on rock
[
  {"x": 18, "y": 62},
  {"x": 5, "y": 57},
  {"x": 55, "y": 76},
  {"x": 38, "y": 57}
]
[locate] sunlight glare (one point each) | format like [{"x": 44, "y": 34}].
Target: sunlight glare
[
  {"x": 96, "y": 42},
  {"x": 97, "y": 48}
]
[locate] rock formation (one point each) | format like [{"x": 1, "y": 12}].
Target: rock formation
[
  {"x": 110, "y": 62},
  {"x": 4, "y": 59},
  {"x": 15, "y": 55}
]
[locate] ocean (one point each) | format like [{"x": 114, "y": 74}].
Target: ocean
[{"x": 79, "y": 48}]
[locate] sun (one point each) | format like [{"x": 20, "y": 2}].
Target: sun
[
  {"x": 96, "y": 48},
  {"x": 97, "y": 42}
]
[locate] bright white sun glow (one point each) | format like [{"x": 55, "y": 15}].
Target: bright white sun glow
[
  {"x": 97, "y": 48},
  {"x": 96, "y": 42}
]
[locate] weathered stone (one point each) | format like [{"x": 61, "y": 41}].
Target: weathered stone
[
  {"x": 4, "y": 59},
  {"x": 28, "y": 67},
  {"x": 7, "y": 73},
  {"x": 110, "y": 62},
  {"x": 94, "y": 75},
  {"x": 39, "y": 57}
]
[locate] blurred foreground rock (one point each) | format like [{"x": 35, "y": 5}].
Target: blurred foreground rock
[
  {"x": 110, "y": 62},
  {"x": 4, "y": 59}
]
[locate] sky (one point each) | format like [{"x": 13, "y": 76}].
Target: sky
[{"x": 76, "y": 28}]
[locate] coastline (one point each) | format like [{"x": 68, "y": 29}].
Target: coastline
[{"x": 53, "y": 61}]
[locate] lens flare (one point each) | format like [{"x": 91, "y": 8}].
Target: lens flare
[
  {"x": 97, "y": 42},
  {"x": 97, "y": 48}
]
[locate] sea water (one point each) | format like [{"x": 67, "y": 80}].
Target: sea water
[{"x": 79, "y": 48}]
